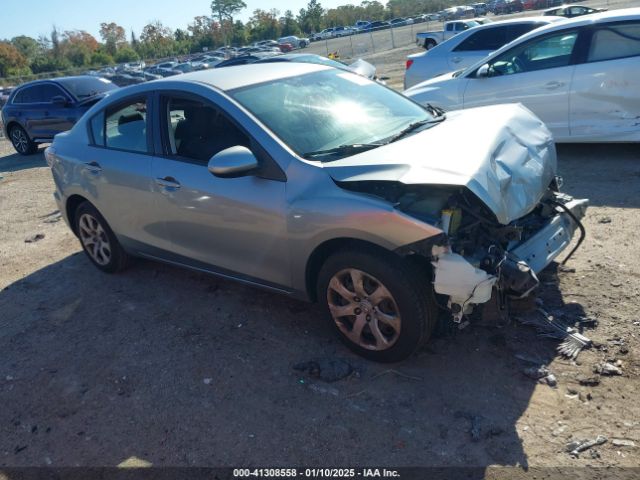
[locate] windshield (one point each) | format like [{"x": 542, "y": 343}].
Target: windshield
[
  {"x": 86, "y": 87},
  {"x": 327, "y": 109}
]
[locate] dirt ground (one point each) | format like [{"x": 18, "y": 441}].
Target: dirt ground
[{"x": 177, "y": 368}]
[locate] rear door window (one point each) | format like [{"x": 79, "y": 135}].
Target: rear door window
[
  {"x": 614, "y": 41},
  {"x": 487, "y": 39},
  {"x": 126, "y": 126},
  {"x": 28, "y": 95}
]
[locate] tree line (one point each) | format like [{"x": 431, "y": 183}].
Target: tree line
[{"x": 75, "y": 49}]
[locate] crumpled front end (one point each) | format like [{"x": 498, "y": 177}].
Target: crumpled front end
[{"x": 481, "y": 255}]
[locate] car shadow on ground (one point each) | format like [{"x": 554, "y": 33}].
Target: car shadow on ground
[
  {"x": 607, "y": 174},
  {"x": 16, "y": 162},
  {"x": 180, "y": 368}
]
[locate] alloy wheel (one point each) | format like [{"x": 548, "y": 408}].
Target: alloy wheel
[
  {"x": 363, "y": 309},
  {"x": 19, "y": 140},
  {"x": 94, "y": 239}
]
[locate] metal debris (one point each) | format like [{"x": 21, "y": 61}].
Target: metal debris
[
  {"x": 621, "y": 442},
  {"x": 575, "y": 447},
  {"x": 34, "y": 238},
  {"x": 536, "y": 372},
  {"x": 606, "y": 368},
  {"x": 589, "y": 381},
  {"x": 550, "y": 327}
]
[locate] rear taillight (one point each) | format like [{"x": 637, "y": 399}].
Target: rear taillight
[{"x": 409, "y": 63}]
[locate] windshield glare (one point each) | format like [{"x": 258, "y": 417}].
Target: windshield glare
[
  {"x": 328, "y": 109},
  {"x": 86, "y": 87}
]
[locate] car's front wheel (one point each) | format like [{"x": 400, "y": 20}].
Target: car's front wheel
[
  {"x": 21, "y": 141},
  {"x": 98, "y": 240},
  {"x": 381, "y": 306}
]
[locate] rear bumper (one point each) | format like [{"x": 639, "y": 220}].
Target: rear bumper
[{"x": 541, "y": 249}]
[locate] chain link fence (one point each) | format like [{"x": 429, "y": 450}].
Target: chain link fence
[{"x": 373, "y": 41}]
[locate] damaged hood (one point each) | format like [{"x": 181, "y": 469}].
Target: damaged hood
[
  {"x": 503, "y": 154},
  {"x": 363, "y": 68}
]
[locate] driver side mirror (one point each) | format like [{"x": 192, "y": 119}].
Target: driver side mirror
[
  {"x": 233, "y": 162},
  {"x": 59, "y": 101},
  {"x": 483, "y": 71}
]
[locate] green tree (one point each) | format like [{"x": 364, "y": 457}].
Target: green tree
[
  {"x": 12, "y": 62},
  {"x": 289, "y": 25},
  {"x": 239, "y": 36},
  {"x": 156, "y": 41},
  {"x": 101, "y": 58},
  {"x": 126, "y": 54},
  {"x": 264, "y": 24},
  {"x": 224, "y": 10},
  {"x": 113, "y": 35},
  {"x": 311, "y": 18},
  {"x": 27, "y": 46}
]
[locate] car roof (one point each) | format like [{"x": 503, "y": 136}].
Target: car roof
[
  {"x": 517, "y": 21},
  {"x": 232, "y": 77},
  {"x": 54, "y": 80},
  {"x": 593, "y": 18},
  {"x": 565, "y": 6}
]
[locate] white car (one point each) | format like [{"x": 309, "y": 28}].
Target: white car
[
  {"x": 467, "y": 48},
  {"x": 294, "y": 41},
  {"x": 580, "y": 76}
]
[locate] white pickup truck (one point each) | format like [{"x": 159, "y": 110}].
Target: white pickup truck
[{"x": 428, "y": 40}]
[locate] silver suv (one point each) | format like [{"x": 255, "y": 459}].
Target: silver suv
[{"x": 320, "y": 184}]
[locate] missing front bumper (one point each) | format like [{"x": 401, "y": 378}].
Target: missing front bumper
[{"x": 466, "y": 285}]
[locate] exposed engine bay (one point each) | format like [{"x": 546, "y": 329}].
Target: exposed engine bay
[{"x": 477, "y": 257}]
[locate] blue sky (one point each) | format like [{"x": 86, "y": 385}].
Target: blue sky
[{"x": 36, "y": 17}]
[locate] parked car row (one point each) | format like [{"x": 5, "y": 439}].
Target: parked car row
[{"x": 41, "y": 109}]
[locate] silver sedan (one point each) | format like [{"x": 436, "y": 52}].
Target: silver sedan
[{"x": 318, "y": 183}]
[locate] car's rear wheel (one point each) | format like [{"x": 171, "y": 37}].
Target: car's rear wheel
[
  {"x": 98, "y": 240},
  {"x": 429, "y": 44},
  {"x": 21, "y": 141},
  {"x": 381, "y": 306}
]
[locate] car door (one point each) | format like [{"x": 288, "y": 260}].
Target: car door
[
  {"x": 536, "y": 73},
  {"x": 29, "y": 112},
  {"x": 604, "y": 100},
  {"x": 233, "y": 226},
  {"x": 117, "y": 174},
  {"x": 55, "y": 118}
]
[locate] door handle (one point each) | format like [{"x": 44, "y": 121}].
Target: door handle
[
  {"x": 168, "y": 182},
  {"x": 93, "y": 167},
  {"x": 456, "y": 60},
  {"x": 553, "y": 85}
]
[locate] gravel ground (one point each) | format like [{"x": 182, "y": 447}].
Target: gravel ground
[{"x": 178, "y": 368}]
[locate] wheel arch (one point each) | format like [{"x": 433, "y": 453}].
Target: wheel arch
[
  {"x": 72, "y": 204},
  {"x": 329, "y": 247},
  {"x": 14, "y": 123}
]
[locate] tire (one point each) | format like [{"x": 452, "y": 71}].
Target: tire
[
  {"x": 429, "y": 44},
  {"x": 396, "y": 315},
  {"x": 21, "y": 141},
  {"x": 98, "y": 240}
]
